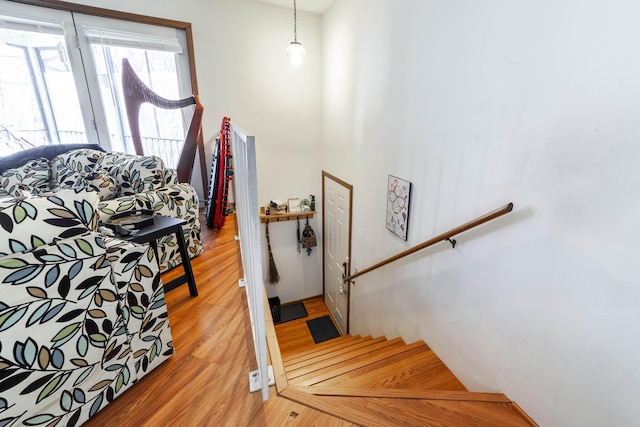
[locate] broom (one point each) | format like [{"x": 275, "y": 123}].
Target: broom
[{"x": 272, "y": 272}]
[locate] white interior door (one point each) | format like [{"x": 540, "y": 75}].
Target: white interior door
[{"x": 337, "y": 246}]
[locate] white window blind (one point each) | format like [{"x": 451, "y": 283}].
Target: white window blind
[
  {"x": 131, "y": 39},
  {"x": 29, "y": 25}
]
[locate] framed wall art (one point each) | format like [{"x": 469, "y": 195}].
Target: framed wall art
[{"x": 398, "y": 197}]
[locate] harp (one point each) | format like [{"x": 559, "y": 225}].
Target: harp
[{"x": 137, "y": 93}]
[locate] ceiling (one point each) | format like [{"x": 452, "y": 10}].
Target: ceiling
[{"x": 312, "y": 6}]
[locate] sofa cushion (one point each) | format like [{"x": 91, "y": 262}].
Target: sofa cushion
[
  {"x": 133, "y": 174},
  {"x": 35, "y": 221},
  {"x": 69, "y": 167},
  {"x": 47, "y": 151},
  {"x": 99, "y": 181},
  {"x": 33, "y": 176}
]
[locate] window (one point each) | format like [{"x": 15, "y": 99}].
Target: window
[
  {"x": 39, "y": 100},
  {"x": 60, "y": 80}
]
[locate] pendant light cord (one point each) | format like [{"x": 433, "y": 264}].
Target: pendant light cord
[{"x": 295, "y": 24}]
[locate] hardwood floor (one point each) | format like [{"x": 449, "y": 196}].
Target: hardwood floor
[
  {"x": 205, "y": 383},
  {"x": 294, "y": 335}
]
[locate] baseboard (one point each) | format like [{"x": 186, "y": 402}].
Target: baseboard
[{"x": 300, "y": 300}]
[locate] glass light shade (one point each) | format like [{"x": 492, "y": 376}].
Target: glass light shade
[{"x": 296, "y": 53}]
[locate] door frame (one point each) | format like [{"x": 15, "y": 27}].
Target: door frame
[{"x": 349, "y": 187}]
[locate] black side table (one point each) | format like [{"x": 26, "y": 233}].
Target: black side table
[{"x": 163, "y": 226}]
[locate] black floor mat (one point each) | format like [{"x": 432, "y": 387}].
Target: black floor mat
[
  {"x": 291, "y": 312},
  {"x": 322, "y": 329}
]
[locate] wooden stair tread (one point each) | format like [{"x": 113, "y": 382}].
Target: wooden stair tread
[
  {"x": 309, "y": 349},
  {"x": 321, "y": 390},
  {"x": 342, "y": 346},
  {"x": 344, "y": 357},
  {"x": 373, "y": 411},
  {"x": 324, "y": 374},
  {"x": 349, "y": 377},
  {"x": 312, "y": 352},
  {"x": 420, "y": 371},
  {"x": 337, "y": 354},
  {"x": 301, "y": 351}
]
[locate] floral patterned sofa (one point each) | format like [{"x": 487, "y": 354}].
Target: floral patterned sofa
[
  {"x": 82, "y": 317},
  {"x": 124, "y": 183}
]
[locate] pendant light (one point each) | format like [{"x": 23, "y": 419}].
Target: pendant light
[{"x": 295, "y": 50}]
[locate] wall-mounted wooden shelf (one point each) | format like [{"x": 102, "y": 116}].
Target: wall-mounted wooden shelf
[{"x": 275, "y": 217}]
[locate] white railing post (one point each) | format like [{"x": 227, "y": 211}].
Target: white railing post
[{"x": 245, "y": 192}]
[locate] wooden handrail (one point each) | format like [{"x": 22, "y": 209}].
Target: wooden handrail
[{"x": 439, "y": 238}]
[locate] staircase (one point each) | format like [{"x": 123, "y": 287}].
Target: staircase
[{"x": 380, "y": 382}]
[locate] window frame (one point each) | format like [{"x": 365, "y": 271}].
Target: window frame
[
  {"x": 126, "y": 16},
  {"x": 130, "y": 17}
]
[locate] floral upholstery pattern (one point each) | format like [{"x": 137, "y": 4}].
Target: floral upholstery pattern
[
  {"x": 69, "y": 167},
  {"x": 99, "y": 181},
  {"x": 30, "y": 222},
  {"x": 82, "y": 318},
  {"x": 32, "y": 177},
  {"x": 134, "y": 174},
  {"x": 124, "y": 183},
  {"x": 142, "y": 300},
  {"x": 64, "y": 343},
  {"x": 170, "y": 178}
]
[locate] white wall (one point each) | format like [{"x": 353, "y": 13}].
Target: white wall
[
  {"x": 243, "y": 73},
  {"x": 479, "y": 104}
]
